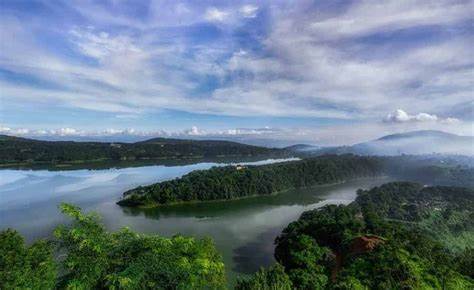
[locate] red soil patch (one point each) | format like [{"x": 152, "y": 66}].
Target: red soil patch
[
  {"x": 359, "y": 245},
  {"x": 364, "y": 244}
]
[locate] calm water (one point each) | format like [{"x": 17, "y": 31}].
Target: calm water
[{"x": 243, "y": 230}]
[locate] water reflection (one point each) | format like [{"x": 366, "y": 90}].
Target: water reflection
[
  {"x": 244, "y": 230},
  {"x": 29, "y": 199},
  {"x": 250, "y": 257},
  {"x": 228, "y": 208}
]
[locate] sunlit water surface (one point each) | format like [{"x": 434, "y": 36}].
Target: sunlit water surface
[{"x": 243, "y": 230}]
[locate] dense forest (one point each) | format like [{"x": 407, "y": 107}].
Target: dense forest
[
  {"x": 15, "y": 150},
  {"x": 395, "y": 236},
  {"x": 233, "y": 182},
  {"x": 400, "y": 235},
  {"x": 433, "y": 174},
  {"x": 92, "y": 258}
]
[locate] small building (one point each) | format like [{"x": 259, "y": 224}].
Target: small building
[{"x": 239, "y": 167}]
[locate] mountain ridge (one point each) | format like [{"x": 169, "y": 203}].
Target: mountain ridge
[{"x": 413, "y": 142}]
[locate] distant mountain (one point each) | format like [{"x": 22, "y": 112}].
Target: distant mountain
[
  {"x": 419, "y": 142},
  {"x": 16, "y": 150},
  {"x": 415, "y": 142},
  {"x": 422, "y": 133}
]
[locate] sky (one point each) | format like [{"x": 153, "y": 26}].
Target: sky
[{"x": 320, "y": 72}]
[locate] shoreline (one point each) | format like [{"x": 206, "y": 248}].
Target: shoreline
[
  {"x": 191, "y": 202},
  {"x": 103, "y": 164}
]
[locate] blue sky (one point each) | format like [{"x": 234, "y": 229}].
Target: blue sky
[{"x": 326, "y": 72}]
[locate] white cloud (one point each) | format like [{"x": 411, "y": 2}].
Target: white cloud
[
  {"x": 369, "y": 16},
  {"x": 355, "y": 80},
  {"x": 215, "y": 15},
  {"x": 14, "y": 131},
  {"x": 5, "y": 130},
  {"x": 325, "y": 135},
  {"x": 451, "y": 121},
  {"x": 400, "y": 116},
  {"x": 249, "y": 11},
  {"x": 424, "y": 117},
  {"x": 101, "y": 45},
  {"x": 309, "y": 64},
  {"x": 67, "y": 131},
  {"x": 194, "y": 131}
]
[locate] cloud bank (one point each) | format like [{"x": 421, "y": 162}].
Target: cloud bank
[
  {"x": 341, "y": 61},
  {"x": 400, "y": 116}
]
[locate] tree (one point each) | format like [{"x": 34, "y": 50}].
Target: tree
[
  {"x": 97, "y": 259},
  {"x": 127, "y": 260},
  {"x": 23, "y": 267},
  {"x": 273, "y": 278}
]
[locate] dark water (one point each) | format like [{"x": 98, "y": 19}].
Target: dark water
[{"x": 243, "y": 230}]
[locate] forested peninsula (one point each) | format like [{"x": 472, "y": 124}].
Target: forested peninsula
[
  {"x": 232, "y": 182},
  {"x": 23, "y": 151}
]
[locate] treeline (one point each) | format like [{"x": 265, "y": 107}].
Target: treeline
[
  {"x": 233, "y": 182},
  {"x": 380, "y": 241},
  {"x": 92, "y": 258},
  {"x": 14, "y": 150}
]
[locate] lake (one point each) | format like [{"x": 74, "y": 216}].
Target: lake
[{"x": 243, "y": 230}]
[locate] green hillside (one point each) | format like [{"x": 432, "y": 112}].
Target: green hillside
[{"x": 14, "y": 150}]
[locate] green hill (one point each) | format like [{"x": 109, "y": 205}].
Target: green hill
[{"x": 15, "y": 150}]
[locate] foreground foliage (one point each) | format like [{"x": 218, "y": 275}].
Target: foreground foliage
[
  {"x": 381, "y": 241},
  {"x": 233, "y": 182},
  {"x": 97, "y": 259},
  {"x": 400, "y": 235},
  {"x": 273, "y": 278},
  {"x": 23, "y": 267}
]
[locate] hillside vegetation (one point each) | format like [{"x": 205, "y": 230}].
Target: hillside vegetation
[
  {"x": 92, "y": 258},
  {"x": 14, "y": 150},
  {"x": 391, "y": 237}
]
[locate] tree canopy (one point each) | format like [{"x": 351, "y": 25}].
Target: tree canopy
[
  {"x": 381, "y": 241},
  {"x": 97, "y": 259},
  {"x": 26, "y": 267}
]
